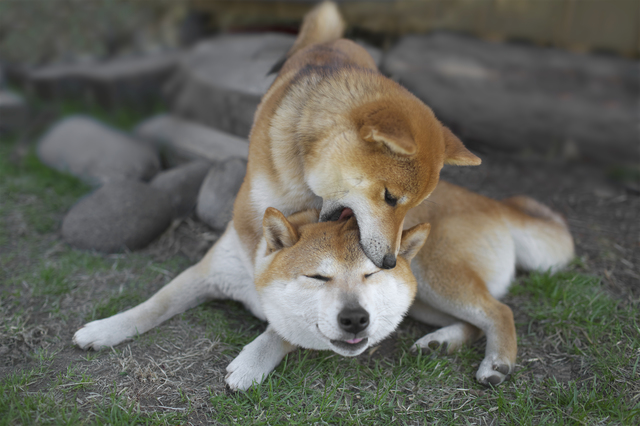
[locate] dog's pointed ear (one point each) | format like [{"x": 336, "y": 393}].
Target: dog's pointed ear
[
  {"x": 278, "y": 231},
  {"x": 455, "y": 152},
  {"x": 384, "y": 127},
  {"x": 413, "y": 239}
]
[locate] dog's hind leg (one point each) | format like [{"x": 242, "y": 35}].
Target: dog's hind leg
[
  {"x": 471, "y": 309},
  {"x": 219, "y": 275},
  {"x": 453, "y": 335}
]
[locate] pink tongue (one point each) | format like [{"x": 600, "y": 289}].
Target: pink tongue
[
  {"x": 346, "y": 213},
  {"x": 354, "y": 341}
]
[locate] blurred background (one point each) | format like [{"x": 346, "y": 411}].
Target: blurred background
[{"x": 549, "y": 77}]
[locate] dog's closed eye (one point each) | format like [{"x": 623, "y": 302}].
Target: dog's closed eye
[{"x": 319, "y": 277}]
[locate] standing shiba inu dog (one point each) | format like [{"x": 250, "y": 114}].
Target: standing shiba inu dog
[
  {"x": 332, "y": 133},
  {"x": 318, "y": 290}
]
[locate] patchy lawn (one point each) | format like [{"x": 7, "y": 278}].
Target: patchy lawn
[{"x": 579, "y": 331}]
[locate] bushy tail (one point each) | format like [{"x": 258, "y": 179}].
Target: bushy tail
[
  {"x": 321, "y": 24},
  {"x": 542, "y": 238}
]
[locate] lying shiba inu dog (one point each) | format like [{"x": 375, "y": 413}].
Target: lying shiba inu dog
[{"x": 318, "y": 290}]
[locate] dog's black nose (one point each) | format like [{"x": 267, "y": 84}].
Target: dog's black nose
[
  {"x": 353, "y": 320},
  {"x": 389, "y": 261}
]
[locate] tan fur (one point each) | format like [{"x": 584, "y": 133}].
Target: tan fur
[
  {"x": 332, "y": 127},
  {"x": 306, "y": 243},
  {"x": 323, "y": 23}
]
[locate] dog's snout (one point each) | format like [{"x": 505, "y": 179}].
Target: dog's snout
[
  {"x": 389, "y": 261},
  {"x": 353, "y": 319}
]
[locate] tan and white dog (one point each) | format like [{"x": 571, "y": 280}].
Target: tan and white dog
[
  {"x": 333, "y": 133},
  {"x": 318, "y": 290}
]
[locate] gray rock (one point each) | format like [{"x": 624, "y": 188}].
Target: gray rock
[
  {"x": 220, "y": 81},
  {"x": 182, "y": 185},
  {"x": 96, "y": 153},
  {"x": 218, "y": 193},
  {"x": 13, "y": 111},
  {"x": 120, "y": 215},
  {"x": 524, "y": 98},
  {"x": 181, "y": 141},
  {"x": 132, "y": 81},
  {"x": 135, "y": 81}
]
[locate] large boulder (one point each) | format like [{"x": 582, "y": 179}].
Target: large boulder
[
  {"x": 126, "y": 214},
  {"x": 182, "y": 185},
  {"x": 95, "y": 152},
  {"x": 524, "y": 98},
  {"x": 220, "y": 81},
  {"x": 182, "y": 141},
  {"x": 218, "y": 193}
]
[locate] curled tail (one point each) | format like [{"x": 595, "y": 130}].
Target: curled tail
[
  {"x": 542, "y": 238},
  {"x": 321, "y": 24}
]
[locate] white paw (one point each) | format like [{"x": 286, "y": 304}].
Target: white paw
[
  {"x": 103, "y": 333},
  {"x": 242, "y": 373},
  {"x": 494, "y": 370},
  {"x": 256, "y": 360}
]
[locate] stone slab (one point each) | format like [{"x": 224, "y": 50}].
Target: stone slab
[
  {"x": 96, "y": 152},
  {"x": 218, "y": 193},
  {"x": 132, "y": 81},
  {"x": 220, "y": 81},
  {"x": 524, "y": 98},
  {"x": 182, "y": 185},
  {"x": 182, "y": 141},
  {"x": 120, "y": 215}
]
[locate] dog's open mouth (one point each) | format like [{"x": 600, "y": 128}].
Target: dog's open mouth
[
  {"x": 346, "y": 213},
  {"x": 339, "y": 213},
  {"x": 351, "y": 345}
]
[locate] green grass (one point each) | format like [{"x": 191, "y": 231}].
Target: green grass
[
  {"x": 56, "y": 405},
  {"x": 48, "y": 289},
  {"x": 39, "y": 189},
  {"x": 327, "y": 388}
]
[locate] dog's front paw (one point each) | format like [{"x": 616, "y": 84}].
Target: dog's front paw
[
  {"x": 102, "y": 333},
  {"x": 242, "y": 373},
  {"x": 494, "y": 370},
  {"x": 256, "y": 360}
]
